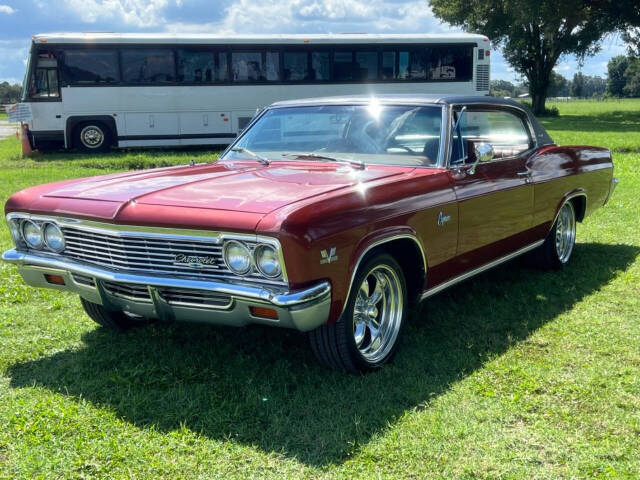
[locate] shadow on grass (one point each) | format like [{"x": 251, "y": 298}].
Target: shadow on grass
[
  {"x": 132, "y": 159},
  {"x": 261, "y": 387},
  {"x": 616, "y": 121}
]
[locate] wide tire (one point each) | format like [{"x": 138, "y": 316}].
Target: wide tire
[
  {"x": 558, "y": 246},
  {"x": 366, "y": 335},
  {"x": 92, "y": 137},
  {"x": 118, "y": 321}
]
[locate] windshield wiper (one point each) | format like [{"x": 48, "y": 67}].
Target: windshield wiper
[
  {"x": 315, "y": 156},
  {"x": 246, "y": 151}
]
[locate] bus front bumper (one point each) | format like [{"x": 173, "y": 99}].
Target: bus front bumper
[{"x": 171, "y": 298}]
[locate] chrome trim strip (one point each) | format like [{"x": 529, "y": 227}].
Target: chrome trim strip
[
  {"x": 476, "y": 271},
  {"x": 375, "y": 244},
  {"x": 281, "y": 297},
  {"x": 159, "y": 233}
]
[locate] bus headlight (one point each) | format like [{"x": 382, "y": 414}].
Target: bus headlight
[
  {"x": 53, "y": 237},
  {"x": 32, "y": 234},
  {"x": 267, "y": 261},
  {"x": 237, "y": 257}
]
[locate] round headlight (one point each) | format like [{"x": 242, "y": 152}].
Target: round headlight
[
  {"x": 32, "y": 234},
  {"x": 237, "y": 257},
  {"x": 267, "y": 261},
  {"x": 53, "y": 237}
]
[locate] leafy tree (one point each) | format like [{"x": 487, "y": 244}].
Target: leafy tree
[
  {"x": 558, "y": 86},
  {"x": 594, "y": 86},
  {"x": 502, "y": 88},
  {"x": 632, "y": 39},
  {"x": 632, "y": 79},
  {"x": 578, "y": 85},
  {"x": 534, "y": 34},
  {"x": 9, "y": 93},
  {"x": 616, "y": 82}
]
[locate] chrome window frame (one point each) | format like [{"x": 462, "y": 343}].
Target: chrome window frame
[
  {"x": 443, "y": 128},
  {"x": 522, "y": 114}
]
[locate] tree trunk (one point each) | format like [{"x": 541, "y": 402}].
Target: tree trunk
[
  {"x": 538, "y": 101},
  {"x": 538, "y": 88}
]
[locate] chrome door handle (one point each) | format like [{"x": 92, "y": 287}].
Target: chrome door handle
[{"x": 526, "y": 173}]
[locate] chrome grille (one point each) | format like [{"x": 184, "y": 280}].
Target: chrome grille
[
  {"x": 482, "y": 77},
  {"x": 150, "y": 254},
  {"x": 128, "y": 291},
  {"x": 191, "y": 297}
]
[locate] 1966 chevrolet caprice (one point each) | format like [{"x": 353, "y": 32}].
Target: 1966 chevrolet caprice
[{"x": 330, "y": 216}]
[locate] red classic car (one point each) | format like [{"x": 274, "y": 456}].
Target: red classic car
[{"x": 329, "y": 216}]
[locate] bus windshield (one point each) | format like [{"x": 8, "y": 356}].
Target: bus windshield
[{"x": 374, "y": 134}]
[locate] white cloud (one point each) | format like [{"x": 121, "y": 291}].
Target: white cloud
[
  {"x": 314, "y": 16},
  {"x": 137, "y": 13},
  {"x": 7, "y": 9}
]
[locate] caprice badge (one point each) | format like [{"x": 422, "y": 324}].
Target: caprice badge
[{"x": 195, "y": 261}]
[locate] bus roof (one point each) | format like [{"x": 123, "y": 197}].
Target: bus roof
[{"x": 191, "y": 38}]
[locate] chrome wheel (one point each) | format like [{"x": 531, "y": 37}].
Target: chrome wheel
[
  {"x": 565, "y": 232},
  {"x": 377, "y": 313},
  {"x": 92, "y": 137}
]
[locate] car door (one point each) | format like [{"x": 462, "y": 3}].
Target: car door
[{"x": 495, "y": 198}]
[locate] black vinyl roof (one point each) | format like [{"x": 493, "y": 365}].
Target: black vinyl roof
[{"x": 542, "y": 137}]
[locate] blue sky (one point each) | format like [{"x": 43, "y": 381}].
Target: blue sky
[{"x": 19, "y": 19}]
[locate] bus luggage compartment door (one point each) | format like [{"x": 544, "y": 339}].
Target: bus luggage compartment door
[{"x": 204, "y": 127}]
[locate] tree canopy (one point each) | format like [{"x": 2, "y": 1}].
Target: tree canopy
[
  {"x": 534, "y": 34},
  {"x": 9, "y": 93}
]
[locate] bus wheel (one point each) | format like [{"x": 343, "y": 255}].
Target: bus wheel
[{"x": 92, "y": 137}]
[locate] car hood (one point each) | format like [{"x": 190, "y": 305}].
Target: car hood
[{"x": 239, "y": 187}]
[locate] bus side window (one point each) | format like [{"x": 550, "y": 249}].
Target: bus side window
[
  {"x": 148, "y": 66},
  {"x": 44, "y": 83}
]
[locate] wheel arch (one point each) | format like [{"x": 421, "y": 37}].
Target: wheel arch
[
  {"x": 578, "y": 199},
  {"x": 74, "y": 121},
  {"x": 405, "y": 248}
]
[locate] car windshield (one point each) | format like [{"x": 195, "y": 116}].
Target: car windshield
[{"x": 359, "y": 134}]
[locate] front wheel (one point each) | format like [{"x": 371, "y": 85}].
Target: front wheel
[
  {"x": 557, "y": 248},
  {"x": 118, "y": 321},
  {"x": 92, "y": 137},
  {"x": 366, "y": 335}
]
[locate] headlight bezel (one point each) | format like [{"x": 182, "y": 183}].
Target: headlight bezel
[
  {"x": 15, "y": 229},
  {"x": 236, "y": 243},
  {"x": 263, "y": 247},
  {"x": 45, "y": 226},
  {"x": 25, "y": 224}
]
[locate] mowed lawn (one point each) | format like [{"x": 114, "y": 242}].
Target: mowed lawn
[{"x": 515, "y": 374}]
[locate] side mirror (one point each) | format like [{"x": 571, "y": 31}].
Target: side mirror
[{"x": 483, "y": 152}]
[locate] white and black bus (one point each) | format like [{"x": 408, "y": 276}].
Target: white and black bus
[{"x": 96, "y": 91}]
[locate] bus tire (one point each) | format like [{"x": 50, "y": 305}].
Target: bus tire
[{"x": 92, "y": 137}]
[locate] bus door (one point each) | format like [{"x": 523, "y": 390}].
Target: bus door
[{"x": 44, "y": 94}]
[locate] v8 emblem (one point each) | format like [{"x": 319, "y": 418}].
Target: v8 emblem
[{"x": 328, "y": 257}]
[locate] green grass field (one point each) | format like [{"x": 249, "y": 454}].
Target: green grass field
[{"x": 514, "y": 374}]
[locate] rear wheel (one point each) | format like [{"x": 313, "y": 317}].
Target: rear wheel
[
  {"x": 365, "y": 337},
  {"x": 557, "y": 248},
  {"x": 92, "y": 137},
  {"x": 118, "y": 321}
]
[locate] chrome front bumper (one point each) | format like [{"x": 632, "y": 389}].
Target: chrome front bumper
[{"x": 302, "y": 310}]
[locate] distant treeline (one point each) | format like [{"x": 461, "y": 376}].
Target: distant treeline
[
  {"x": 623, "y": 80},
  {"x": 9, "y": 93}
]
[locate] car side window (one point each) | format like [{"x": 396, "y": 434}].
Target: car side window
[{"x": 505, "y": 131}]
